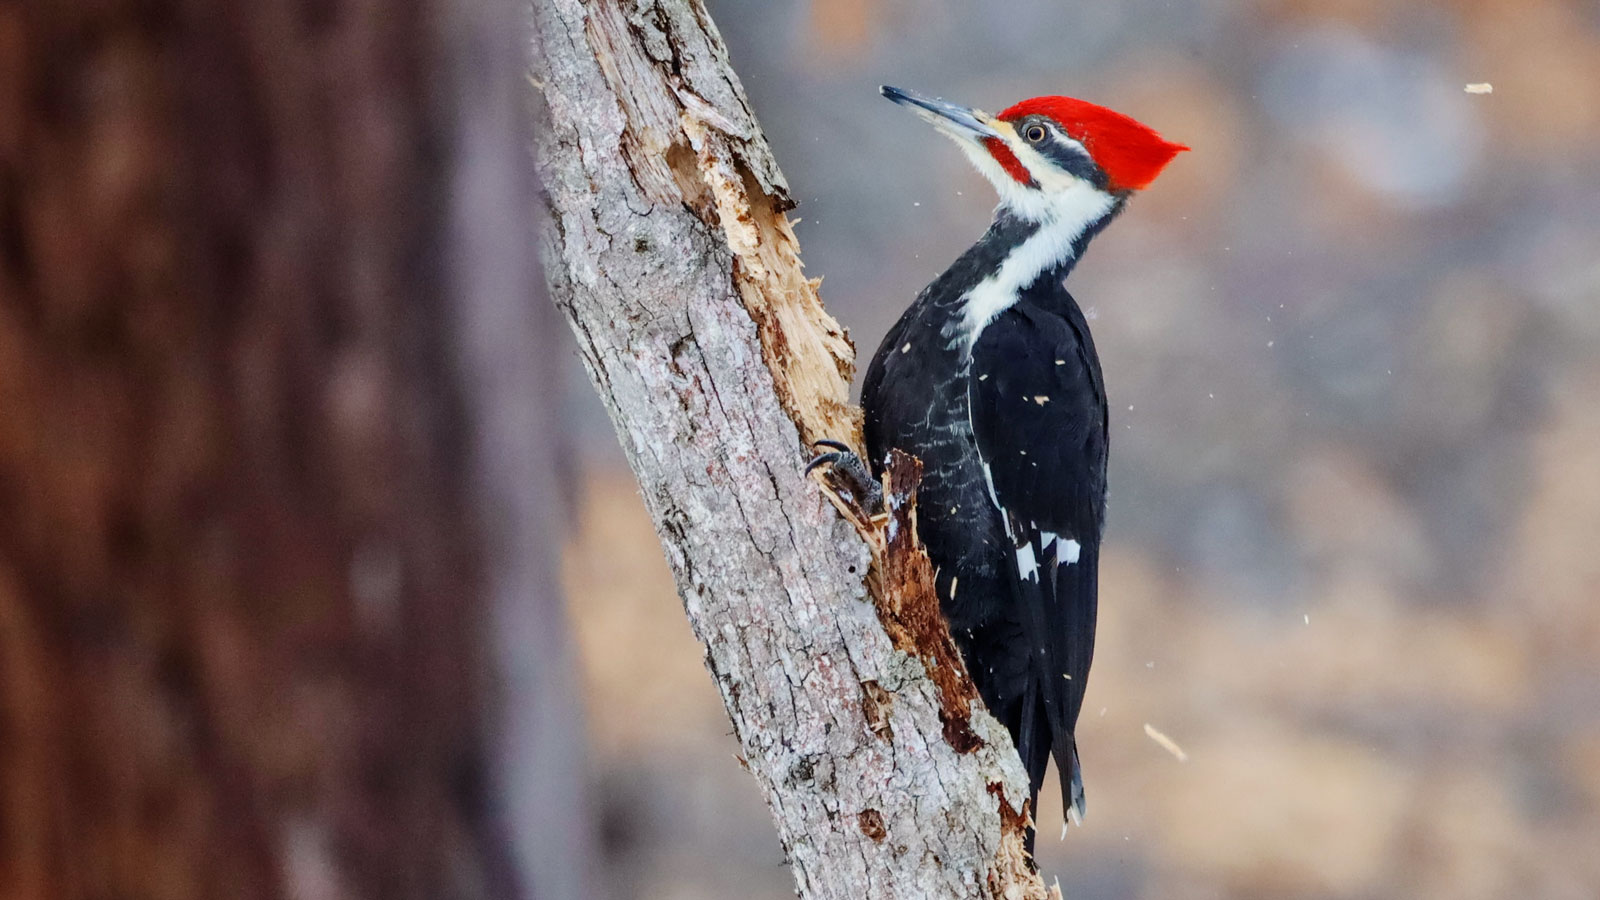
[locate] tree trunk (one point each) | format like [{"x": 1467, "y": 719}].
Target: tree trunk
[
  {"x": 251, "y": 331},
  {"x": 673, "y": 259}
]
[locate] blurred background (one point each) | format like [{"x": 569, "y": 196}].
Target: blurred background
[
  {"x": 1352, "y": 343},
  {"x": 285, "y": 487}
]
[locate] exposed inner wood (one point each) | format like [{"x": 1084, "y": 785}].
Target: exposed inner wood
[{"x": 811, "y": 358}]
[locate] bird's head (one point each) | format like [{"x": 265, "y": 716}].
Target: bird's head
[{"x": 1051, "y": 157}]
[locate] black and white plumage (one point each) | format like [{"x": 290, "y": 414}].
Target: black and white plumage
[{"x": 991, "y": 378}]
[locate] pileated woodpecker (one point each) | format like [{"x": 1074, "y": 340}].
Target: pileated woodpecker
[{"x": 992, "y": 380}]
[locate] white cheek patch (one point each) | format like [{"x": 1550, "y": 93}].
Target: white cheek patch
[{"x": 1018, "y": 198}]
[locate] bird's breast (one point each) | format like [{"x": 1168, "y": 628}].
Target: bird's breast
[{"x": 920, "y": 405}]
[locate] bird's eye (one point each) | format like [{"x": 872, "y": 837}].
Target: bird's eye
[{"x": 1034, "y": 133}]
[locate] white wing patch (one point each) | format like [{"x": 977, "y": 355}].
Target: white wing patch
[
  {"x": 1046, "y": 538},
  {"x": 1027, "y": 563},
  {"x": 1029, "y": 554},
  {"x": 1067, "y": 552}
]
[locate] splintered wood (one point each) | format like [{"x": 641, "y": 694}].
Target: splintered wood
[
  {"x": 1166, "y": 743},
  {"x": 902, "y": 584},
  {"x": 811, "y": 358}
]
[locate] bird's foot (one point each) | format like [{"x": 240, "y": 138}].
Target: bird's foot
[{"x": 848, "y": 480}]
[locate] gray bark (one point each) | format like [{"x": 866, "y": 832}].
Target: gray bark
[{"x": 672, "y": 258}]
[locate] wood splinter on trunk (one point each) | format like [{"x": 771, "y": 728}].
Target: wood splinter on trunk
[
  {"x": 901, "y": 583},
  {"x": 902, "y": 586}
]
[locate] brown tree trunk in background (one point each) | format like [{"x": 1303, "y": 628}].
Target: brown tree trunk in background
[
  {"x": 252, "y": 344},
  {"x": 674, "y": 261}
]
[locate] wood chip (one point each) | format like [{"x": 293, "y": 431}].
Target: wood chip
[{"x": 1167, "y": 744}]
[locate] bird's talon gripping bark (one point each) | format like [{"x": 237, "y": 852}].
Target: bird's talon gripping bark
[
  {"x": 822, "y": 459},
  {"x": 849, "y": 478}
]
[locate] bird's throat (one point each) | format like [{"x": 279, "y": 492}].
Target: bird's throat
[{"x": 1025, "y": 250}]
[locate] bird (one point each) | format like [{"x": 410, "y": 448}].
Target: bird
[{"x": 992, "y": 380}]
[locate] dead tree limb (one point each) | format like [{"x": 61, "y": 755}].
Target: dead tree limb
[{"x": 671, "y": 255}]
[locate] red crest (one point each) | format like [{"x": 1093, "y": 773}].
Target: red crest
[{"x": 1131, "y": 153}]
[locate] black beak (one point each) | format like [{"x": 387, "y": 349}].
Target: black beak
[{"x": 956, "y": 121}]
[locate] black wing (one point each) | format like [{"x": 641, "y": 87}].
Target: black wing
[{"x": 1039, "y": 417}]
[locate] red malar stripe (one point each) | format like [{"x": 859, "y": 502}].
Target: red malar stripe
[{"x": 1008, "y": 160}]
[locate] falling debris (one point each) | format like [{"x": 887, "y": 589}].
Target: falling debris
[
  {"x": 1308, "y": 618},
  {"x": 1167, "y": 744},
  {"x": 1480, "y": 87}
]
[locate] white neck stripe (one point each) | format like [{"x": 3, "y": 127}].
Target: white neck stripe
[{"x": 1068, "y": 214}]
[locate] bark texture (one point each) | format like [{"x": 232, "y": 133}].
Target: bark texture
[
  {"x": 242, "y": 590},
  {"x": 673, "y": 259}
]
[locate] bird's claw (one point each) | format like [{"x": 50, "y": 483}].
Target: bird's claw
[
  {"x": 849, "y": 478},
  {"x": 840, "y": 451}
]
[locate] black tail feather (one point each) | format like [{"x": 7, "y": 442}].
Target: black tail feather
[{"x": 1071, "y": 772}]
